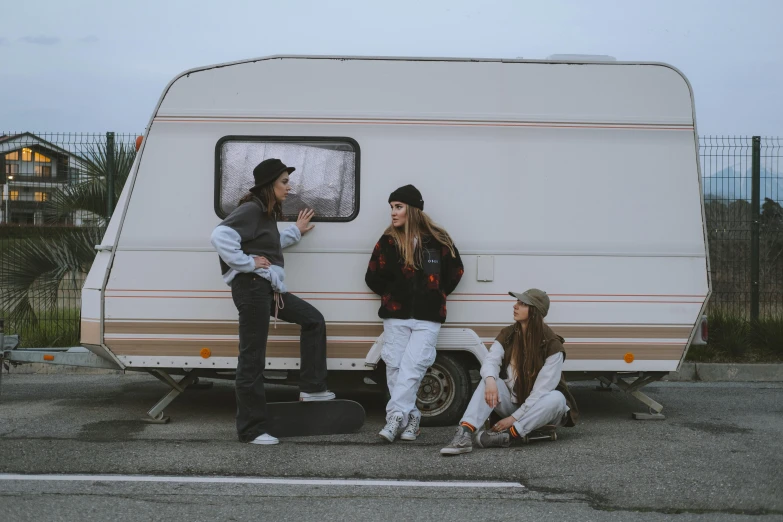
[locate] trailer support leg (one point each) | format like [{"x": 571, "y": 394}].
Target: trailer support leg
[
  {"x": 633, "y": 387},
  {"x": 155, "y": 415}
]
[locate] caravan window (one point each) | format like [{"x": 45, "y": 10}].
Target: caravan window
[{"x": 326, "y": 177}]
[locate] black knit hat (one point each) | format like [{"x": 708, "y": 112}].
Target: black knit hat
[
  {"x": 269, "y": 170},
  {"x": 409, "y": 195}
]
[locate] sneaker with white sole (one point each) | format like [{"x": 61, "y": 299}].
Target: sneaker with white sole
[
  {"x": 392, "y": 428},
  {"x": 493, "y": 439},
  {"x": 412, "y": 430},
  {"x": 461, "y": 443},
  {"x": 316, "y": 396},
  {"x": 265, "y": 439}
]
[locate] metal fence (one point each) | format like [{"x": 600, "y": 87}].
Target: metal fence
[
  {"x": 59, "y": 190},
  {"x": 742, "y": 180}
]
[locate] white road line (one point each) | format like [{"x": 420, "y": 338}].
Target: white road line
[{"x": 258, "y": 480}]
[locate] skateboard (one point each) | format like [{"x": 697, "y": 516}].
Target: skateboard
[
  {"x": 306, "y": 419},
  {"x": 546, "y": 432}
]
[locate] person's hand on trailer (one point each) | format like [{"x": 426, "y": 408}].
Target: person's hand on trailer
[{"x": 303, "y": 221}]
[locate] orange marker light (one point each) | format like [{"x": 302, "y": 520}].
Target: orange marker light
[
  {"x": 206, "y": 353},
  {"x": 48, "y": 357},
  {"x": 628, "y": 357},
  {"x": 139, "y": 139}
]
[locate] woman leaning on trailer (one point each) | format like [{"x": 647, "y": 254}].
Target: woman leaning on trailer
[
  {"x": 251, "y": 259},
  {"x": 413, "y": 267}
]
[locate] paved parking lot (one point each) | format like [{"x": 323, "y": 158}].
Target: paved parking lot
[{"x": 716, "y": 457}]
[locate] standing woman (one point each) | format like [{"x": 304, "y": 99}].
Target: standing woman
[
  {"x": 251, "y": 259},
  {"x": 413, "y": 267}
]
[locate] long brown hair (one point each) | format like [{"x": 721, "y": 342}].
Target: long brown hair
[
  {"x": 527, "y": 354},
  {"x": 266, "y": 193},
  {"x": 417, "y": 225}
]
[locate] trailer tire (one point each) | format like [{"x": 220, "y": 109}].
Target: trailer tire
[{"x": 444, "y": 392}]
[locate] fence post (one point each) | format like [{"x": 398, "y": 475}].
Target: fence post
[
  {"x": 109, "y": 174},
  {"x": 755, "y": 209}
]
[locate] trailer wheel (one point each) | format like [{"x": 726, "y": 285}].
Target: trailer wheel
[{"x": 444, "y": 392}]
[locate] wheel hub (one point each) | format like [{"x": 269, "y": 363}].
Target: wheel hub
[{"x": 436, "y": 392}]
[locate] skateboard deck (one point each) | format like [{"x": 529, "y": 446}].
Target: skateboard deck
[
  {"x": 306, "y": 419},
  {"x": 546, "y": 432}
]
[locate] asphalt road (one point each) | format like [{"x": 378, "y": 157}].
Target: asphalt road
[{"x": 716, "y": 457}]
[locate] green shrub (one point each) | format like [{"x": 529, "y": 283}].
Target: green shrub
[
  {"x": 55, "y": 330},
  {"x": 767, "y": 337},
  {"x": 735, "y": 339}
]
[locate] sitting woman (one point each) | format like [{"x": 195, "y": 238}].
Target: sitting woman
[{"x": 528, "y": 358}]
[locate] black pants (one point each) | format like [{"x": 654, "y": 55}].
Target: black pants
[{"x": 254, "y": 299}]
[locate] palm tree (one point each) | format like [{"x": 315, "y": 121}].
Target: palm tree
[
  {"x": 91, "y": 194},
  {"x": 33, "y": 270}
]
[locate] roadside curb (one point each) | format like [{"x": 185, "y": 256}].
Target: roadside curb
[
  {"x": 47, "y": 369},
  {"x": 725, "y": 372}
]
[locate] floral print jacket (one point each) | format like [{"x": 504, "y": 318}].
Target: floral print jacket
[{"x": 409, "y": 293}]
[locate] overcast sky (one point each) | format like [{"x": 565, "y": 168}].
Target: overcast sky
[{"x": 87, "y": 65}]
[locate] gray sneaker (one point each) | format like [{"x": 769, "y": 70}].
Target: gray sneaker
[
  {"x": 412, "y": 430},
  {"x": 493, "y": 439},
  {"x": 461, "y": 443},
  {"x": 392, "y": 428}
]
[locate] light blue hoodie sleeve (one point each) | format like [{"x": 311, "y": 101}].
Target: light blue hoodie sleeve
[
  {"x": 290, "y": 236},
  {"x": 228, "y": 244}
]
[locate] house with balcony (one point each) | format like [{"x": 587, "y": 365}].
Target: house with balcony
[{"x": 31, "y": 171}]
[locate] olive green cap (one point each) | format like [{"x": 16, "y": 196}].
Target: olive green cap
[{"x": 535, "y": 298}]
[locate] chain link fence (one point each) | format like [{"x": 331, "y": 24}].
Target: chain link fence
[
  {"x": 58, "y": 192},
  {"x": 742, "y": 180}
]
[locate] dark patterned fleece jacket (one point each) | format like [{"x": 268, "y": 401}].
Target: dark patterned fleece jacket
[{"x": 408, "y": 293}]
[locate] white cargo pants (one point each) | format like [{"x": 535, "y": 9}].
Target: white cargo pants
[
  {"x": 408, "y": 350},
  {"x": 549, "y": 409}
]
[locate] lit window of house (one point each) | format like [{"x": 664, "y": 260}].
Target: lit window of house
[
  {"x": 11, "y": 168},
  {"x": 12, "y": 156},
  {"x": 14, "y": 195},
  {"x": 27, "y": 154},
  {"x": 40, "y": 158},
  {"x": 41, "y": 196},
  {"x": 43, "y": 171}
]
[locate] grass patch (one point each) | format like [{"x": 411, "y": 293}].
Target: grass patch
[
  {"x": 58, "y": 329},
  {"x": 736, "y": 340}
]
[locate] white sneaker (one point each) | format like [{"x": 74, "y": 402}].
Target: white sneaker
[
  {"x": 392, "y": 428},
  {"x": 266, "y": 439},
  {"x": 316, "y": 396},
  {"x": 412, "y": 430}
]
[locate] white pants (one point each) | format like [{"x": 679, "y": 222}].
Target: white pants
[
  {"x": 408, "y": 350},
  {"x": 549, "y": 409}
]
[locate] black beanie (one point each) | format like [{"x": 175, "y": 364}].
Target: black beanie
[{"x": 409, "y": 195}]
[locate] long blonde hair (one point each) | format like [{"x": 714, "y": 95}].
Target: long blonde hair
[{"x": 416, "y": 225}]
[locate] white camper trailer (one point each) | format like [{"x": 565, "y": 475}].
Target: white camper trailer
[{"x": 578, "y": 178}]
